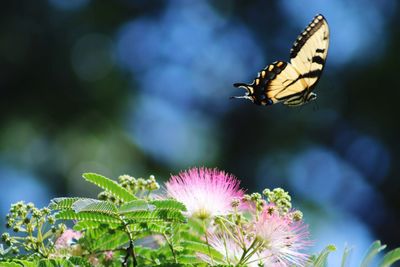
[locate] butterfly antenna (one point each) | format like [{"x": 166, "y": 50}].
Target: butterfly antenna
[
  {"x": 238, "y": 97},
  {"x": 237, "y": 85}
]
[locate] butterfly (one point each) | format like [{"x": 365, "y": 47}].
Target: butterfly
[{"x": 293, "y": 83}]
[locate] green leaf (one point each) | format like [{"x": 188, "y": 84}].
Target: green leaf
[
  {"x": 390, "y": 258},
  {"x": 156, "y": 215},
  {"x": 63, "y": 203},
  {"x": 10, "y": 264},
  {"x": 147, "y": 228},
  {"x": 321, "y": 259},
  {"x": 203, "y": 249},
  {"x": 86, "y": 216},
  {"x": 55, "y": 263},
  {"x": 135, "y": 205},
  {"x": 169, "y": 204},
  {"x": 189, "y": 259},
  {"x": 94, "y": 205},
  {"x": 345, "y": 257},
  {"x": 86, "y": 225},
  {"x": 25, "y": 263},
  {"x": 372, "y": 251},
  {"x": 111, "y": 241},
  {"x": 110, "y": 186}
]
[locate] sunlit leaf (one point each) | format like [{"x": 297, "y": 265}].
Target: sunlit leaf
[
  {"x": 63, "y": 203},
  {"x": 390, "y": 258},
  {"x": 320, "y": 261},
  {"x": 86, "y": 216},
  {"x": 94, "y": 205},
  {"x": 135, "y": 205},
  {"x": 110, "y": 186},
  {"x": 372, "y": 251},
  {"x": 169, "y": 204}
]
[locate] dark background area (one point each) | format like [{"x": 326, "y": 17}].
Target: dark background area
[{"x": 143, "y": 87}]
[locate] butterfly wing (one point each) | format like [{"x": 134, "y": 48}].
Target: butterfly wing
[
  {"x": 291, "y": 83},
  {"x": 309, "y": 51},
  {"x": 277, "y": 82},
  {"x": 286, "y": 85}
]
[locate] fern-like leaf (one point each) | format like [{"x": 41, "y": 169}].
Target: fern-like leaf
[
  {"x": 169, "y": 204},
  {"x": 110, "y": 186},
  {"x": 86, "y": 216},
  {"x": 156, "y": 215},
  {"x": 190, "y": 259},
  {"x": 87, "y": 225},
  {"x": 135, "y": 205},
  {"x": 10, "y": 264},
  {"x": 94, "y": 205},
  {"x": 111, "y": 241},
  {"x": 63, "y": 203},
  {"x": 55, "y": 263}
]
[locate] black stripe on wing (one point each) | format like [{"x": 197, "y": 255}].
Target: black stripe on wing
[{"x": 314, "y": 25}]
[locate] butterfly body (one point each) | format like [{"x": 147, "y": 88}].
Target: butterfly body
[{"x": 292, "y": 83}]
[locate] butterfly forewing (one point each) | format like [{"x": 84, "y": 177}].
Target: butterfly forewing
[{"x": 310, "y": 49}]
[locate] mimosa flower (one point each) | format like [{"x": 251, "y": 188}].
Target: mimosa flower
[
  {"x": 283, "y": 238},
  {"x": 230, "y": 249},
  {"x": 224, "y": 245},
  {"x": 205, "y": 192},
  {"x": 67, "y": 239}
]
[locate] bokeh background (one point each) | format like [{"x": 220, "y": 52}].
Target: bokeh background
[{"x": 143, "y": 87}]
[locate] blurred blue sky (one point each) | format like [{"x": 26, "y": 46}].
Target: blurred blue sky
[{"x": 180, "y": 65}]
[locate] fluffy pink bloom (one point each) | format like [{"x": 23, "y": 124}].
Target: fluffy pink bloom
[
  {"x": 67, "y": 239},
  {"x": 283, "y": 240},
  {"x": 229, "y": 248},
  {"x": 108, "y": 255},
  {"x": 205, "y": 192},
  {"x": 93, "y": 260},
  {"x": 225, "y": 245}
]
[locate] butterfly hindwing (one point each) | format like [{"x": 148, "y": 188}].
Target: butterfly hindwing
[{"x": 286, "y": 84}]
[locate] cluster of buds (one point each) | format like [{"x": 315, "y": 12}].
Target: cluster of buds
[
  {"x": 280, "y": 198},
  {"x": 31, "y": 221}
]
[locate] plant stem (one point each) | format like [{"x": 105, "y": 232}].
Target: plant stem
[
  {"x": 208, "y": 244},
  {"x": 171, "y": 248},
  {"x": 243, "y": 257},
  {"x": 130, "y": 251}
]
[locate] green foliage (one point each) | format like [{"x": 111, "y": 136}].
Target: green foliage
[
  {"x": 109, "y": 186},
  {"x": 126, "y": 226},
  {"x": 390, "y": 258},
  {"x": 321, "y": 259},
  {"x": 202, "y": 248},
  {"x": 372, "y": 251},
  {"x": 345, "y": 257},
  {"x": 86, "y": 216},
  {"x": 371, "y": 254}
]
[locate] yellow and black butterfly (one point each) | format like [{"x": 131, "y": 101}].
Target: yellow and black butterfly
[{"x": 292, "y": 83}]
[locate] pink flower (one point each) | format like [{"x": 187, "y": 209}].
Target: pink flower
[
  {"x": 93, "y": 260},
  {"x": 230, "y": 249},
  {"x": 67, "y": 239},
  {"x": 283, "y": 239},
  {"x": 205, "y": 192},
  {"x": 108, "y": 255}
]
